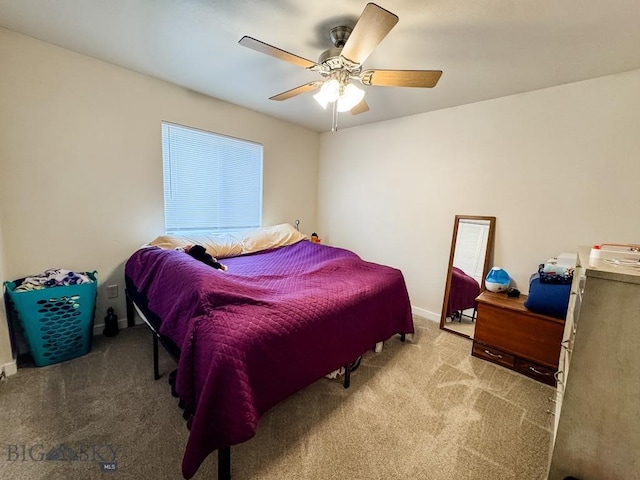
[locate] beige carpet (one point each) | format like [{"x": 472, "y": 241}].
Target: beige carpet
[{"x": 420, "y": 410}]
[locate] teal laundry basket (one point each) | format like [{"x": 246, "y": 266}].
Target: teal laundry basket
[{"x": 57, "y": 322}]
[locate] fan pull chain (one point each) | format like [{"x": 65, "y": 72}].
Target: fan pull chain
[{"x": 334, "y": 119}]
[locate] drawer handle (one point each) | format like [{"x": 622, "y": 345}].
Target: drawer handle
[
  {"x": 551, "y": 413},
  {"x": 553, "y": 400},
  {"x": 557, "y": 376},
  {"x": 533, "y": 369},
  {"x": 494, "y": 355}
]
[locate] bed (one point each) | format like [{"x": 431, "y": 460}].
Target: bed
[
  {"x": 285, "y": 313},
  {"x": 463, "y": 293}
]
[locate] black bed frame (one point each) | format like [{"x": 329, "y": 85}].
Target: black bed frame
[{"x": 224, "y": 454}]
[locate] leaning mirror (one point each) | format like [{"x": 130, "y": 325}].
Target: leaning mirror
[{"x": 471, "y": 249}]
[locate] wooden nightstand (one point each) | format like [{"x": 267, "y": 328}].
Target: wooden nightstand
[{"x": 510, "y": 335}]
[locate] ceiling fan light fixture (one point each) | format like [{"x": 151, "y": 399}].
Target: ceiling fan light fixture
[
  {"x": 322, "y": 101},
  {"x": 350, "y": 97},
  {"x": 328, "y": 93}
]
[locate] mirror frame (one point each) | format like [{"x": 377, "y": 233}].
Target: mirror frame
[{"x": 488, "y": 254}]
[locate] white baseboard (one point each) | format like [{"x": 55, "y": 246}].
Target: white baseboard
[
  {"x": 421, "y": 312},
  {"x": 10, "y": 368}
]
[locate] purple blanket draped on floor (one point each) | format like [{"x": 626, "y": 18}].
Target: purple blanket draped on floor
[{"x": 272, "y": 324}]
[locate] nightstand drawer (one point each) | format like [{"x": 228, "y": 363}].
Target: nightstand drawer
[
  {"x": 493, "y": 355},
  {"x": 535, "y": 371}
]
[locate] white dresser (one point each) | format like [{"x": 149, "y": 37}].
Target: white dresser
[{"x": 597, "y": 404}]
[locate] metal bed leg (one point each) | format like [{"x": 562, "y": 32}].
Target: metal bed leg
[
  {"x": 403, "y": 337},
  {"x": 131, "y": 318},
  {"x": 156, "y": 369},
  {"x": 224, "y": 463},
  {"x": 347, "y": 375},
  {"x": 351, "y": 367}
]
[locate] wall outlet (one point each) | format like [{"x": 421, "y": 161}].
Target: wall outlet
[{"x": 112, "y": 291}]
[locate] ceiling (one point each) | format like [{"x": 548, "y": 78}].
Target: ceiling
[{"x": 486, "y": 48}]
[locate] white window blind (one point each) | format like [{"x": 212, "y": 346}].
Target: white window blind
[
  {"x": 471, "y": 245},
  {"x": 211, "y": 182}
]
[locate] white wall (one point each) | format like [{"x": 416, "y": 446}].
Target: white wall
[
  {"x": 6, "y": 356},
  {"x": 558, "y": 168},
  {"x": 81, "y": 165}
]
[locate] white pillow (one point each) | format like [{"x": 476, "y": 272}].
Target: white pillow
[
  {"x": 230, "y": 245},
  {"x": 270, "y": 237}
]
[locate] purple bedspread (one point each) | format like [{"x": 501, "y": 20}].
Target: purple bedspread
[
  {"x": 463, "y": 292},
  {"x": 274, "y": 323}
]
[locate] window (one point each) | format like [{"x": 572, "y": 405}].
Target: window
[{"x": 211, "y": 182}]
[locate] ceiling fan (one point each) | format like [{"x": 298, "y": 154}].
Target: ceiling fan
[{"x": 340, "y": 65}]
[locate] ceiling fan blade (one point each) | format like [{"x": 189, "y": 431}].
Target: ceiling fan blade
[
  {"x": 401, "y": 78},
  {"x": 307, "y": 87},
  {"x": 267, "y": 49},
  {"x": 373, "y": 25},
  {"x": 360, "y": 108}
]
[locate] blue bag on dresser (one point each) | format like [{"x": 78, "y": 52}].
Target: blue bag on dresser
[{"x": 551, "y": 299}]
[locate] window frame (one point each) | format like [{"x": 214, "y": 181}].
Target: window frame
[{"x": 181, "y": 190}]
